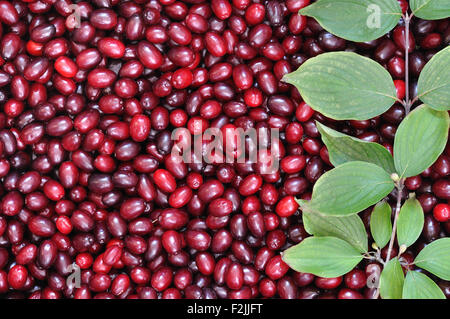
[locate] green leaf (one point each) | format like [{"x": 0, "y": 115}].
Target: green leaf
[
  {"x": 350, "y": 188},
  {"x": 380, "y": 224},
  {"x": 435, "y": 258},
  {"x": 350, "y": 228},
  {"x": 430, "y": 9},
  {"x": 433, "y": 87},
  {"x": 420, "y": 286},
  {"x": 410, "y": 222},
  {"x": 391, "y": 280},
  {"x": 343, "y": 148},
  {"x": 355, "y": 20},
  {"x": 420, "y": 139},
  {"x": 322, "y": 256},
  {"x": 344, "y": 86}
]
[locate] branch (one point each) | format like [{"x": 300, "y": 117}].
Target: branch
[
  {"x": 399, "y": 186},
  {"x": 408, "y": 103},
  {"x": 397, "y": 211}
]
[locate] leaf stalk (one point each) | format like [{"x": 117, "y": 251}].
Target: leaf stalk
[{"x": 398, "y": 205}]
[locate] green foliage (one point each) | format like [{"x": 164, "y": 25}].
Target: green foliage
[
  {"x": 380, "y": 223},
  {"x": 322, "y": 256},
  {"x": 347, "y": 86},
  {"x": 410, "y": 222},
  {"x": 420, "y": 139},
  {"x": 343, "y": 148},
  {"x": 430, "y": 9},
  {"x": 350, "y": 188},
  {"x": 368, "y": 22},
  {"x": 420, "y": 286},
  {"x": 434, "y": 81},
  {"x": 435, "y": 258},
  {"x": 391, "y": 280},
  {"x": 344, "y": 86},
  {"x": 349, "y": 228}
]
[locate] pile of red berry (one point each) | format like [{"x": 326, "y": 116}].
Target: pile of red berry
[{"x": 90, "y": 93}]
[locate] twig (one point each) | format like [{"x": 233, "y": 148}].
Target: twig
[
  {"x": 397, "y": 211},
  {"x": 407, "y": 100},
  {"x": 407, "y": 104},
  {"x": 399, "y": 186}
]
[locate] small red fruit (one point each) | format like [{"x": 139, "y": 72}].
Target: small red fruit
[
  {"x": 286, "y": 207},
  {"x": 441, "y": 212}
]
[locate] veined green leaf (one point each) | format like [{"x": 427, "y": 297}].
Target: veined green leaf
[
  {"x": 350, "y": 188},
  {"x": 435, "y": 258},
  {"x": 322, "y": 256},
  {"x": 420, "y": 286},
  {"x": 369, "y": 20},
  {"x": 380, "y": 223},
  {"x": 434, "y": 81},
  {"x": 344, "y": 86},
  {"x": 420, "y": 139},
  {"x": 349, "y": 228},
  {"x": 430, "y": 9},
  {"x": 343, "y": 148},
  {"x": 391, "y": 280},
  {"x": 410, "y": 222}
]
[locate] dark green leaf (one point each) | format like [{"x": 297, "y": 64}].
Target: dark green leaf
[
  {"x": 344, "y": 86},
  {"x": 430, "y": 9},
  {"x": 322, "y": 256},
  {"x": 350, "y": 188},
  {"x": 434, "y": 81},
  {"x": 410, "y": 222},
  {"x": 436, "y": 258},
  {"x": 420, "y": 139},
  {"x": 343, "y": 148},
  {"x": 380, "y": 223},
  {"x": 349, "y": 228},
  {"x": 355, "y": 20},
  {"x": 420, "y": 286},
  {"x": 391, "y": 280}
]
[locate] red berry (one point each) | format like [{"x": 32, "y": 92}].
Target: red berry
[
  {"x": 441, "y": 212},
  {"x": 286, "y": 206},
  {"x": 400, "y": 88}
]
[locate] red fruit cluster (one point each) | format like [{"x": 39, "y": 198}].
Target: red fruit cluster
[{"x": 86, "y": 172}]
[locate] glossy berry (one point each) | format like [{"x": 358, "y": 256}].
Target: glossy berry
[
  {"x": 286, "y": 206},
  {"x": 441, "y": 212}
]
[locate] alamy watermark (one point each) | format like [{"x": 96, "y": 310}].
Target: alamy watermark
[
  {"x": 373, "y": 280},
  {"x": 228, "y": 145},
  {"x": 74, "y": 279},
  {"x": 374, "y": 19},
  {"x": 73, "y": 21}
]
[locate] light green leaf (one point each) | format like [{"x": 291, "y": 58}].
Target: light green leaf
[
  {"x": 430, "y": 9},
  {"x": 322, "y": 256},
  {"x": 368, "y": 21},
  {"x": 350, "y": 188},
  {"x": 343, "y": 148},
  {"x": 344, "y": 85},
  {"x": 435, "y": 258},
  {"x": 349, "y": 228},
  {"x": 433, "y": 86},
  {"x": 420, "y": 286},
  {"x": 380, "y": 223},
  {"x": 420, "y": 139},
  {"x": 391, "y": 280},
  {"x": 410, "y": 222}
]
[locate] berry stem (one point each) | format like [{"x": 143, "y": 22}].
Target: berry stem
[
  {"x": 399, "y": 187},
  {"x": 408, "y": 102}
]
